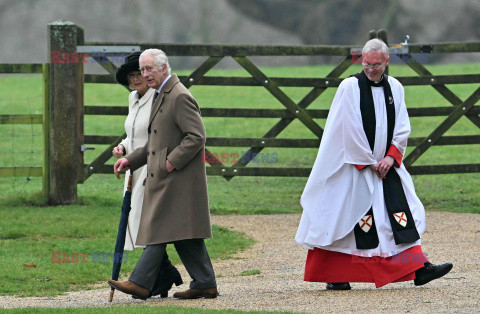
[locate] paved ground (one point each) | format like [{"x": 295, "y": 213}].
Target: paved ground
[{"x": 279, "y": 286}]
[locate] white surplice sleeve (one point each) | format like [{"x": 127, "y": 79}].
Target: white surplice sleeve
[{"x": 402, "y": 122}]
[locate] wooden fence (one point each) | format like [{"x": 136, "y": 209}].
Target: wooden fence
[
  {"x": 241, "y": 53},
  {"x": 44, "y": 70},
  {"x": 64, "y": 98}
]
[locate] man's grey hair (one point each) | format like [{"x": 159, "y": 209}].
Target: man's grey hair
[
  {"x": 375, "y": 45},
  {"x": 160, "y": 58}
]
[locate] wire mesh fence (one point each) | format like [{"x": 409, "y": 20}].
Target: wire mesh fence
[{"x": 22, "y": 147}]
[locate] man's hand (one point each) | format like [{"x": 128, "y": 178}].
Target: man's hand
[
  {"x": 169, "y": 166},
  {"x": 118, "y": 151},
  {"x": 375, "y": 170},
  {"x": 121, "y": 165},
  {"x": 382, "y": 167}
]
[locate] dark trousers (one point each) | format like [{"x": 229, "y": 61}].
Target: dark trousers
[
  {"x": 167, "y": 275},
  {"x": 193, "y": 254}
]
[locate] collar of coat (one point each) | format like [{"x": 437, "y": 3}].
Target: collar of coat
[
  {"x": 165, "y": 89},
  {"x": 145, "y": 98},
  {"x": 169, "y": 84}
]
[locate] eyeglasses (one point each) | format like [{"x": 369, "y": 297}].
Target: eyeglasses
[
  {"x": 373, "y": 66},
  {"x": 147, "y": 68},
  {"x": 152, "y": 68}
]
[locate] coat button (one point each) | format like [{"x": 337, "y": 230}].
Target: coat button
[
  {"x": 155, "y": 131},
  {"x": 153, "y": 153},
  {"x": 151, "y": 174}
]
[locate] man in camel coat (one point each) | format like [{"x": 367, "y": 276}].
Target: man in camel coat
[{"x": 175, "y": 206}]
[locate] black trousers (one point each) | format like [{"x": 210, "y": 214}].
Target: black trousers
[{"x": 193, "y": 254}]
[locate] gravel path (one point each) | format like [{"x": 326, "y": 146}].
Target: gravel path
[{"x": 279, "y": 286}]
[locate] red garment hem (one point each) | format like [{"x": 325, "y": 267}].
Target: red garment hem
[
  {"x": 360, "y": 167},
  {"x": 329, "y": 266}
]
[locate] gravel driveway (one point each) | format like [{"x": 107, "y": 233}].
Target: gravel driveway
[{"x": 279, "y": 286}]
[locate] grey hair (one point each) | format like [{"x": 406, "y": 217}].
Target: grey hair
[
  {"x": 375, "y": 45},
  {"x": 160, "y": 58}
]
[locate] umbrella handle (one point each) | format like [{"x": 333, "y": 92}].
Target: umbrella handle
[
  {"x": 112, "y": 291},
  {"x": 130, "y": 178}
]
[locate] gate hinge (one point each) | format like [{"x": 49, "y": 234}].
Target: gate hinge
[{"x": 84, "y": 147}]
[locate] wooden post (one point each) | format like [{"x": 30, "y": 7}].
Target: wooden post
[
  {"x": 46, "y": 133},
  {"x": 382, "y": 34},
  {"x": 65, "y": 112}
]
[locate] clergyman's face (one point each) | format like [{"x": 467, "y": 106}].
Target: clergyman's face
[
  {"x": 374, "y": 64},
  {"x": 152, "y": 73}
]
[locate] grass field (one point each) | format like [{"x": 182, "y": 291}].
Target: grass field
[
  {"x": 34, "y": 241},
  {"x": 246, "y": 195},
  {"x": 29, "y": 233}
]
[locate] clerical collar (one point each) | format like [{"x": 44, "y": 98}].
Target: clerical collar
[{"x": 378, "y": 83}]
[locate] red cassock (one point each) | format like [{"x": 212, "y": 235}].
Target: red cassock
[{"x": 330, "y": 266}]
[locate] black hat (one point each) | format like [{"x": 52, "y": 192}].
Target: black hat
[{"x": 131, "y": 65}]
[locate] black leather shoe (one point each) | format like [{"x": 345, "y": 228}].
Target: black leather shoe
[
  {"x": 430, "y": 272},
  {"x": 172, "y": 276},
  {"x": 165, "y": 282},
  {"x": 338, "y": 286}
]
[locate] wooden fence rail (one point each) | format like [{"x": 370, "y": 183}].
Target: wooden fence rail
[
  {"x": 292, "y": 111},
  {"x": 31, "y": 119},
  {"x": 63, "y": 96}
]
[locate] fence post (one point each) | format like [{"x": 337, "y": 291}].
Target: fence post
[
  {"x": 382, "y": 34},
  {"x": 65, "y": 112},
  {"x": 46, "y": 132}
]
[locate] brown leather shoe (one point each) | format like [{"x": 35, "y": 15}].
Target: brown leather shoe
[
  {"x": 129, "y": 287},
  {"x": 210, "y": 293}
]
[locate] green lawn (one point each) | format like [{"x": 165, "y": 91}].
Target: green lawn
[
  {"x": 29, "y": 233},
  {"x": 34, "y": 241},
  {"x": 245, "y": 195}
]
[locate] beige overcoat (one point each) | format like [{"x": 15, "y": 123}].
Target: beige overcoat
[{"x": 175, "y": 204}]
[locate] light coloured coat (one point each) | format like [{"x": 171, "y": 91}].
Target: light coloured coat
[
  {"x": 136, "y": 126},
  {"x": 175, "y": 205}
]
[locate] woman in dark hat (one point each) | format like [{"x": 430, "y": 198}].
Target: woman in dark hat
[{"x": 136, "y": 125}]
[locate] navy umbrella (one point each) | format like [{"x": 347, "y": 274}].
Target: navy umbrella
[{"x": 122, "y": 230}]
